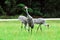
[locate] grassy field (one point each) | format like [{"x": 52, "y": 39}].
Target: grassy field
[{"x": 11, "y": 30}]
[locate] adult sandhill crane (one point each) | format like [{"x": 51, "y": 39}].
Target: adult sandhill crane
[{"x": 29, "y": 19}]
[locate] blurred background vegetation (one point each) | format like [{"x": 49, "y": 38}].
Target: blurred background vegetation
[{"x": 37, "y": 8}]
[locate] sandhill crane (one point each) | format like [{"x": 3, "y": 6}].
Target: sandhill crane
[
  {"x": 40, "y": 21},
  {"x": 29, "y": 19},
  {"x": 23, "y": 19}
]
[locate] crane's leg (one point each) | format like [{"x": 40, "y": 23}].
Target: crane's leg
[
  {"x": 21, "y": 25},
  {"x": 37, "y": 28},
  {"x": 25, "y": 26},
  {"x": 28, "y": 29},
  {"x": 32, "y": 28},
  {"x": 40, "y": 27}
]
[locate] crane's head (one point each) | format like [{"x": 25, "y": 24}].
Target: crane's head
[{"x": 26, "y": 7}]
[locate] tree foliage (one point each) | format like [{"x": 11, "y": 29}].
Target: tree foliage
[{"x": 44, "y": 8}]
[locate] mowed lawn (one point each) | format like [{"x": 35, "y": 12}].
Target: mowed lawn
[{"x": 11, "y": 30}]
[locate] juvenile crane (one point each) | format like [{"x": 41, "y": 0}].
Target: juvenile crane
[
  {"x": 40, "y": 21},
  {"x": 23, "y": 19}
]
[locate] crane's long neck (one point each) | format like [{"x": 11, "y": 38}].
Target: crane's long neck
[
  {"x": 27, "y": 12},
  {"x": 28, "y": 16}
]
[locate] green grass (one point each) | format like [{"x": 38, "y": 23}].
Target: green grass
[{"x": 11, "y": 30}]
